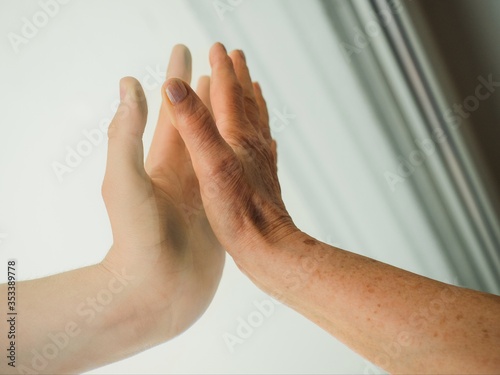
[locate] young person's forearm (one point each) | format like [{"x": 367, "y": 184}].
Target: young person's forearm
[
  {"x": 77, "y": 320},
  {"x": 400, "y": 321}
]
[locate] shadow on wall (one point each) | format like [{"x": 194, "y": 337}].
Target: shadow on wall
[{"x": 466, "y": 32}]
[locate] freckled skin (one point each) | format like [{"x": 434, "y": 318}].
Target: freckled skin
[
  {"x": 414, "y": 329},
  {"x": 257, "y": 217},
  {"x": 310, "y": 242}
]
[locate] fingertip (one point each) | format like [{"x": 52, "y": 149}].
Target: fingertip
[
  {"x": 257, "y": 88},
  {"x": 217, "y": 51},
  {"x": 132, "y": 97},
  {"x": 131, "y": 90},
  {"x": 240, "y": 66},
  {"x": 203, "y": 86},
  {"x": 237, "y": 54},
  {"x": 193, "y": 119},
  {"x": 204, "y": 79},
  {"x": 127, "y": 80},
  {"x": 219, "y": 46},
  {"x": 175, "y": 91},
  {"x": 125, "y": 152},
  {"x": 183, "y": 48},
  {"x": 180, "y": 64},
  {"x": 242, "y": 55},
  {"x": 126, "y": 85}
]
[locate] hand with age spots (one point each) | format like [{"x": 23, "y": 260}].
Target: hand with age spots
[
  {"x": 368, "y": 305},
  {"x": 234, "y": 155}
]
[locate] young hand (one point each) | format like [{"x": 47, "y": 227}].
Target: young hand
[{"x": 160, "y": 231}]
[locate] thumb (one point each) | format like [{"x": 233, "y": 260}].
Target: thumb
[
  {"x": 125, "y": 149},
  {"x": 210, "y": 154}
]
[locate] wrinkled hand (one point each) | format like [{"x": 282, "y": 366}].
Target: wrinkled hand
[
  {"x": 234, "y": 157},
  {"x": 161, "y": 236}
]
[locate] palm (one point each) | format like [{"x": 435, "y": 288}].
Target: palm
[
  {"x": 176, "y": 188},
  {"x": 169, "y": 162},
  {"x": 192, "y": 246},
  {"x": 182, "y": 216},
  {"x": 177, "y": 185},
  {"x": 160, "y": 229}
]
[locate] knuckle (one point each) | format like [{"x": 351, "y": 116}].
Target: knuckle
[
  {"x": 253, "y": 142},
  {"x": 225, "y": 173},
  {"x": 195, "y": 114},
  {"x": 255, "y": 150},
  {"x": 251, "y": 106},
  {"x": 236, "y": 109},
  {"x": 223, "y": 183},
  {"x": 235, "y": 87}
]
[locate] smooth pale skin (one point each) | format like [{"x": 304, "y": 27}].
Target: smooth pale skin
[
  {"x": 403, "y": 322},
  {"x": 164, "y": 250}
]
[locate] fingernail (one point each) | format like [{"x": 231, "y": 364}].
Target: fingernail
[{"x": 176, "y": 91}]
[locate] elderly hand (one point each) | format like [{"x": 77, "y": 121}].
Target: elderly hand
[{"x": 233, "y": 155}]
